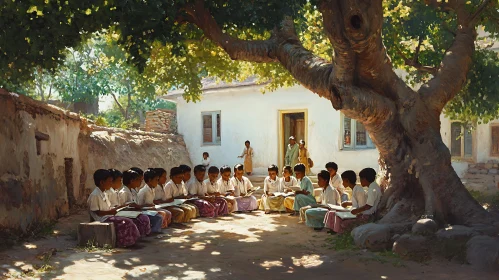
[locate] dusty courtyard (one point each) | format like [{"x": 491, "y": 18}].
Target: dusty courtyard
[{"x": 241, "y": 246}]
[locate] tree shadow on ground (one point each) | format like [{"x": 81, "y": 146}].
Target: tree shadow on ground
[{"x": 241, "y": 246}]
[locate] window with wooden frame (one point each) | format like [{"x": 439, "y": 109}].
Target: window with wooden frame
[
  {"x": 354, "y": 135},
  {"x": 211, "y": 128}
]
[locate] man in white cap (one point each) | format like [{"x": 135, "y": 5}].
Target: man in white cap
[{"x": 291, "y": 157}]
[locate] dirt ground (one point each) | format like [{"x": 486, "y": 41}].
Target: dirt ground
[{"x": 241, "y": 246}]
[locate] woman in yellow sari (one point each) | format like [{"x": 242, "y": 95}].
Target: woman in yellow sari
[{"x": 303, "y": 156}]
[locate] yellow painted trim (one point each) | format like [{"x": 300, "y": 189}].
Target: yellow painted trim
[{"x": 280, "y": 143}]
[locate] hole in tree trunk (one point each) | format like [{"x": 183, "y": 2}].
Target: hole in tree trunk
[{"x": 356, "y": 21}]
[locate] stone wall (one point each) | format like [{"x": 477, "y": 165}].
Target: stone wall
[
  {"x": 48, "y": 157},
  {"x": 161, "y": 120},
  {"x": 483, "y": 177}
]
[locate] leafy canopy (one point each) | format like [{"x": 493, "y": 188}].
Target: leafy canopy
[{"x": 39, "y": 32}]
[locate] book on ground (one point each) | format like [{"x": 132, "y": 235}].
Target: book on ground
[
  {"x": 128, "y": 214},
  {"x": 345, "y": 215}
]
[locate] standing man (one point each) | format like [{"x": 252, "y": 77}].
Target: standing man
[{"x": 291, "y": 157}]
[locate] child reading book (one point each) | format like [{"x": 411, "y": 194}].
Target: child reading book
[
  {"x": 243, "y": 186},
  {"x": 271, "y": 186},
  {"x": 210, "y": 186},
  {"x": 304, "y": 196},
  {"x": 100, "y": 209},
  {"x": 226, "y": 189},
  {"x": 314, "y": 214}
]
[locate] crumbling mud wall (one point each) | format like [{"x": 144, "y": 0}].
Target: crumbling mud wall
[
  {"x": 48, "y": 156},
  {"x": 35, "y": 139}
]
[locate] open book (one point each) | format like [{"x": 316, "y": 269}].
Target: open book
[
  {"x": 175, "y": 202},
  {"x": 294, "y": 188},
  {"x": 150, "y": 212},
  {"x": 251, "y": 191},
  {"x": 277, "y": 194},
  {"x": 345, "y": 215},
  {"x": 128, "y": 214},
  {"x": 339, "y": 208}
]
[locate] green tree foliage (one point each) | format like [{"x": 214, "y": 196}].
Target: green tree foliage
[{"x": 167, "y": 52}]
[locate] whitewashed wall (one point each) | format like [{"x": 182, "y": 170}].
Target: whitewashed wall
[{"x": 247, "y": 114}]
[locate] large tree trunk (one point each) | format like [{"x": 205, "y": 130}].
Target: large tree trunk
[{"x": 421, "y": 180}]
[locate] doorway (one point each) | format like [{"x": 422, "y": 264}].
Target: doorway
[{"x": 291, "y": 123}]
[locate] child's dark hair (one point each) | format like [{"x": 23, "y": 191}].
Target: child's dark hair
[
  {"x": 138, "y": 170},
  {"x": 288, "y": 168},
  {"x": 299, "y": 167},
  {"x": 199, "y": 168},
  {"x": 225, "y": 168},
  {"x": 213, "y": 170},
  {"x": 332, "y": 165},
  {"x": 247, "y": 142},
  {"x": 175, "y": 171},
  {"x": 238, "y": 167},
  {"x": 129, "y": 176},
  {"x": 185, "y": 168},
  {"x": 350, "y": 176},
  {"x": 115, "y": 173},
  {"x": 160, "y": 171},
  {"x": 369, "y": 174},
  {"x": 101, "y": 175},
  {"x": 206, "y": 153},
  {"x": 150, "y": 174},
  {"x": 324, "y": 175},
  {"x": 273, "y": 167}
]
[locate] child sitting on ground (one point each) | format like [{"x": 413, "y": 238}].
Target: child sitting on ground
[
  {"x": 112, "y": 193},
  {"x": 304, "y": 196},
  {"x": 210, "y": 187},
  {"x": 128, "y": 196},
  {"x": 287, "y": 181},
  {"x": 145, "y": 196},
  {"x": 313, "y": 215},
  {"x": 127, "y": 232},
  {"x": 195, "y": 188},
  {"x": 272, "y": 185},
  {"x": 335, "y": 180},
  {"x": 226, "y": 189},
  {"x": 363, "y": 212},
  {"x": 174, "y": 189},
  {"x": 242, "y": 186}
]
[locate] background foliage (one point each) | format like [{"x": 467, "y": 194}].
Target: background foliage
[{"x": 136, "y": 50}]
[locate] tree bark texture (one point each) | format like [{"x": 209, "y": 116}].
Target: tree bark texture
[{"x": 360, "y": 81}]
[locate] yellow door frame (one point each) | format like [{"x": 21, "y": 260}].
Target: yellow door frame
[{"x": 281, "y": 145}]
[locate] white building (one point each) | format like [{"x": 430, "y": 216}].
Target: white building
[{"x": 230, "y": 114}]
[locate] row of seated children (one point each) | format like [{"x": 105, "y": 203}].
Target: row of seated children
[
  {"x": 206, "y": 198},
  {"x": 319, "y": 214}
]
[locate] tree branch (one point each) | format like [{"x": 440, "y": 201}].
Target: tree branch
[
  {"x": 473, "y": 18},
  {"x": 415, "y": 63},
  {"x": 454, "y": 67},
  {"x": 237, "y": 49},
  {"x": 122, "y": 110}
]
